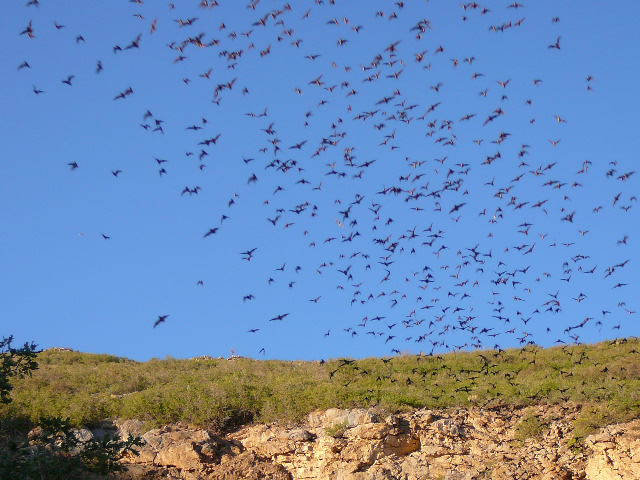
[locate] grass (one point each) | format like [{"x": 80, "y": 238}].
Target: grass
[{"x": 222, "y": 394}]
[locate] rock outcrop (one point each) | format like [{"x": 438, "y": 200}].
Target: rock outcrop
[
  {"x": 616, "y": 452},
  {"x": 359, "y": 444}
]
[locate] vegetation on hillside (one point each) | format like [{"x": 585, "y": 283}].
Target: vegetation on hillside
[{"x": 223, "y": 394}]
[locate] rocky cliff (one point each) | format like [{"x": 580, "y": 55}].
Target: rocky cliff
[{"x": 459, "y": 444}]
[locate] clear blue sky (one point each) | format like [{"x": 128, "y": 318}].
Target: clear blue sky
[{"x": 375, "y": 119}]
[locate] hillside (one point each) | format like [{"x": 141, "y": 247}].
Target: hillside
[{"x": 222, "y": 395}]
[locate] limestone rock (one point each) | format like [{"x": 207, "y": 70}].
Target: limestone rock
[
  {"x": 335, "y": 416},
  {"x": 616, "y": 453},
  {"x": 248, "y": 466},
  {"x": 301, "y": 435},
  {"x": 130, "y": 427},
  {"x": 454, "y": 444}
]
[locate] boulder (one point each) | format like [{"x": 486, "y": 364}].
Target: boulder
[
  {"x": 335, "y": 416},
  {"x": 130, "y": 427}
]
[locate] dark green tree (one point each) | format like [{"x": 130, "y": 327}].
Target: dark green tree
[{"x": 14, "y": 362}]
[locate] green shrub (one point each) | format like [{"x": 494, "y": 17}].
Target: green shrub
[
  {"x": 338, "y": 430},
  {"x": 530, "y": 426}
]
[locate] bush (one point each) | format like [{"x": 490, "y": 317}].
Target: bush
[
  {"x": 338, "y": 430},
  {"x": 529, "y": 426}
]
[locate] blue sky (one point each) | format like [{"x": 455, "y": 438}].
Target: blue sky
[{"x": 64, "y": 284}]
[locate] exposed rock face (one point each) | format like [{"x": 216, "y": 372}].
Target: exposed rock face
[
  {"x": 616, "y": 452},
  {"x": 461, "y": 444}
]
